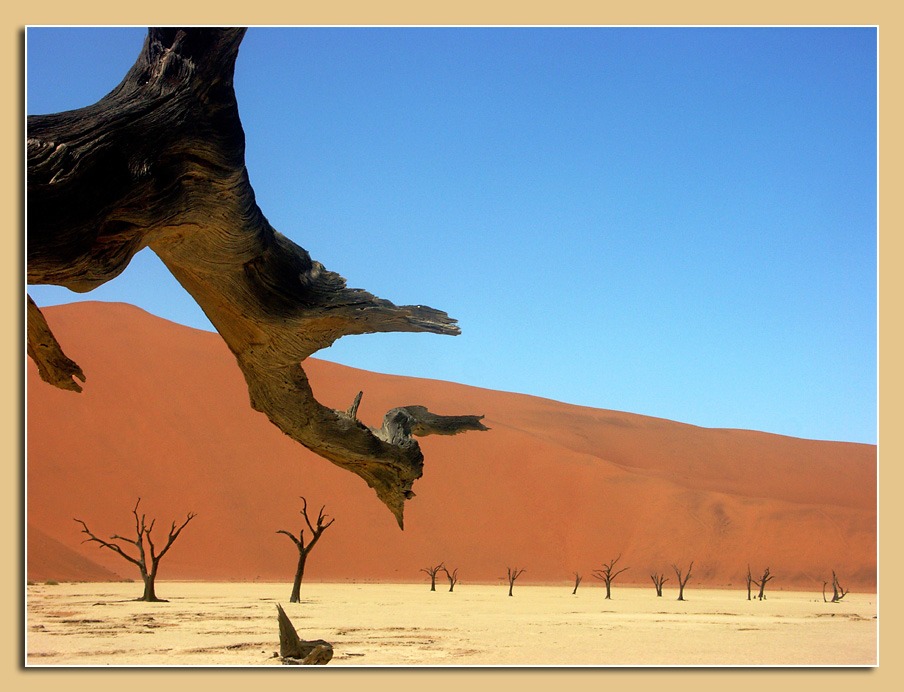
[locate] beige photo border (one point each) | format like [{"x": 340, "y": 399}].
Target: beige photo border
[{"x": 467, "y": 12}]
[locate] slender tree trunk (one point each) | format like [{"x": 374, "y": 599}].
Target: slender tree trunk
[
  {"x": 299, "y": 575},
  {"x": 658, "y": 581}
]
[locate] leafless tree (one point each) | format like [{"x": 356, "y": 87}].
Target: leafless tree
[
  {"x": 513, "y": 574},
  {"x": 608, "y": 573},
  {"x": 762, "y": 584},
  {"x": 304, "y": 550},
  {"x": 148, "y": 559},
  {"x": 749, "y": 579},
  {"x": 838, "y": 591},
  {"x": 577, "y": 583},
  {"x": 433, "y": 571},
  {"x": 451, "y": 576},
  {"x": 658, "y": 581},
  {"x": 682, "y": 578}
]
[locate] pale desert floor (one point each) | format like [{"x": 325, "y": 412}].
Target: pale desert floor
[{"x": 226, "y": 624}]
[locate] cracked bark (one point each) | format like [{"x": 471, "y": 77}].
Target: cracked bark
[{"x": 159, "y": 163}]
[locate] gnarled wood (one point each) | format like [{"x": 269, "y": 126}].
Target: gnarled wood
[
  {"x": 159, "y": 163},
  {"x": 43, "y": 348},
  {"x": 293, "y": 650}
]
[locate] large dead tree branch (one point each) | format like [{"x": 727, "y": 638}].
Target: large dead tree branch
[{"x": 160, "y": 162}]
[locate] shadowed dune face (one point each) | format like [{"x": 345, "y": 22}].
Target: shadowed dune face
[{"x": 553, "y": 488}]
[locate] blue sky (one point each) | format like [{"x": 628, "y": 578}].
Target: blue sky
[{"x": 677, "y": 222}]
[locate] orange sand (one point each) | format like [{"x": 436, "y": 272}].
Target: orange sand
[{"x": 553, "y": 488}]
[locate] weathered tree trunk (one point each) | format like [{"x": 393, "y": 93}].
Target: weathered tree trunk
[
  {"x": 432, "y": 571},
  {"x": 295, "y": 651},
  {"x": 765, "y": 579},
  {"x": 658, "y": 581},
  {"x": 451, "y": 576},
  {"x": 150, "y": 594},
  {"x": 608, "y": 573},
  {"x": 513, "y": 574},
  {"x": 577, "y": 583},
  {"x": 305, "y": 550},
  {"x": 147, "y": 559},
  {"x": 682, "y": 579},
  {"x": 838, "y": 591},
  {"x": 159, "y": 163},
  {"x": 299, "y": 575}
]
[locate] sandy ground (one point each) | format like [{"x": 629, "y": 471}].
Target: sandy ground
[{"x": 228, "y": 624}]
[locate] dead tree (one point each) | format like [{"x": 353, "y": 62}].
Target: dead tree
[
  {"x": 762, "y": 584},
  {"x": 608, "y": 573},
  {"x": 513, "y": 574},
  {"x": 432, "y": 571},
  {"x": 682, "y": 578},
  {"x": 148, "y": 559},
  {"x": 577, "y": 583},
  {"x": 749, "y": 579},
  {"x": 838, "y": 592},
  {"x": 294, "y": 651},
  {"x": 658, "y": 581},
  {"x": 159, "y": 162},
  {"x": 304, "y": 550},
  {"x": 451, "y": 576}
]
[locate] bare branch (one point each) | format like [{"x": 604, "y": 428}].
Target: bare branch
[
  {"x": 147, "y": 560},
  {"x": 105, "y": 544},
  {"x": 160, "y": 162},
  {"x": 173, "y": 534},
  {"x": 297, "y": 541},
  {"x": 353, "y": 409}
]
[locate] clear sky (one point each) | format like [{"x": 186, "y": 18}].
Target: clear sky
[{"x": 677, "y": 222}]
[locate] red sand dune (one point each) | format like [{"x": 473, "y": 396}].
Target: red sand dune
[{"x": 552, "y": 488}]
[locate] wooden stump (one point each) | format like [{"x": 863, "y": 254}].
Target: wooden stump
[{"x": 295, "y": 651}]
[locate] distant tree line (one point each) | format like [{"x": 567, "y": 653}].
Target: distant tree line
[{"x": 146, "y": 556}]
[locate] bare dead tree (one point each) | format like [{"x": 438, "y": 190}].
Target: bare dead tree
[
  {"x": 608, "y": 573},
  {"x": 658, "y": 581},
  {"x": 304, "y": 550},
  {"x": 682, "y": 578},
  {"x": 159, "y": 162},
  {"x": 513, "y": 573},
  {"x": 577, "y": 583},
  {"x": 838, "y": 592},
  {"x": 767, "y": 577},
  {"x": 451, "y": 576},
  {"x": 148, "y": 559},
  {"x": 294, "y": 651},
  {"x": 749, "y": 579},
  {"x": 432, "y": 571}
]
